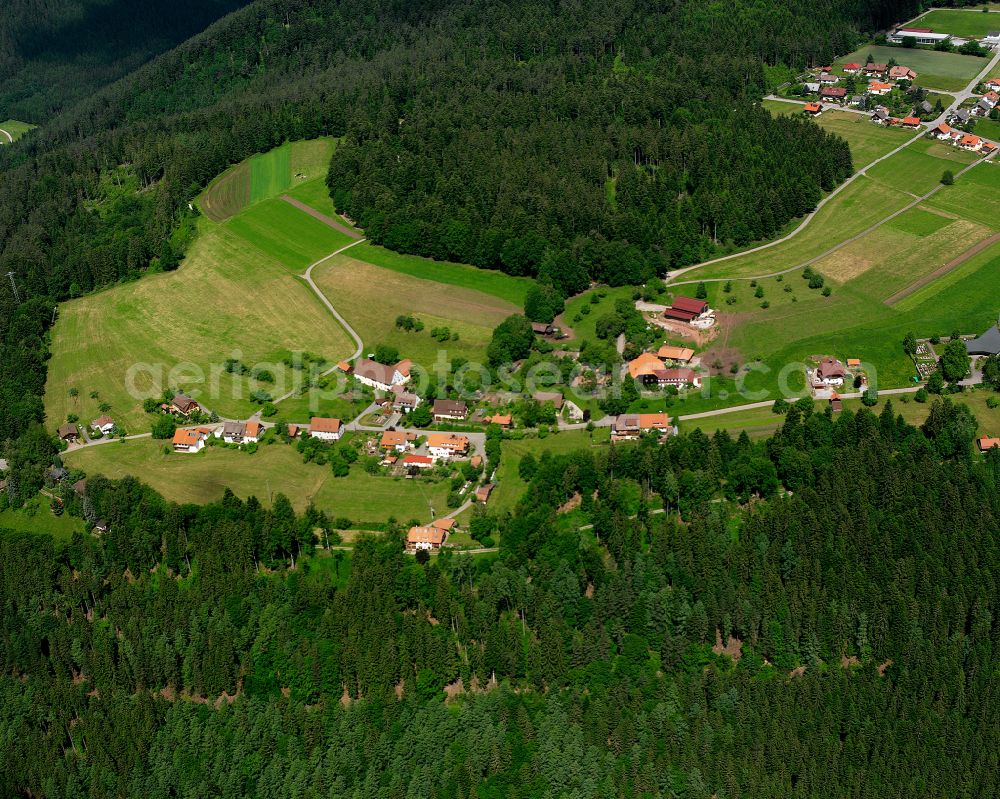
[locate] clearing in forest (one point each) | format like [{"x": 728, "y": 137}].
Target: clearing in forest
[{"x": 12, "y": 130}]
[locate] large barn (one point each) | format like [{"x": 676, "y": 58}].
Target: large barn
[{"x": 685, "y": 309}]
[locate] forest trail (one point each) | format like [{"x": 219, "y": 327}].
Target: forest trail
[
  {"x": 326, "y": 220},
  {"x": 10, "y": 139}
]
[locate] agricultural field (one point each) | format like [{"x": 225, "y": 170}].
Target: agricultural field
[
  {"x": 867, "y": 141},
  {"x": 975, "y": 196},
  {"x": 12, "y": 130},
  {"x": 266, "y": 175},
  {"x": 946, "y": 71},
  {"x": 227, "y": 300},
  {"x": 916, "y": 170},
  {"x": 487, "y": 281},
  {"x": 988, "y": 129},
  {"x": 371, "y": 297},
  {"x": 273, "y": 469},
  {"x": 969, "y": 23}
]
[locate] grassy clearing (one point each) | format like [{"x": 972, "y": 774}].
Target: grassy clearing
[
  {"x": 947, "y": 71},
  {"x": 584, "y": 328},
  {"x": 36, "y": 517},
  {"x": 510, "y": 487},
  {"x": 487, "y": 281},
  {"x": 371, "y": 298},
  {"x": 273, "y": 469},
  {"x": 15, "y": 129},
  {"x": 867, "y": 141},
  {"x": 965, "y": 23},
  {"x": 286, "y": 234},
  {"x": 266, "y": 175},
  {"x": 226, "y": 298},
  {"x": 988, "y": 129}
]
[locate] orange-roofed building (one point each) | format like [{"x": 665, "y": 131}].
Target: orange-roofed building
[
  {"x": 444, "y": 524},
  {"x": 644, "y": 366},
  {"x": 398, "y": 440},
  {"x": 504, "y": 420},
  {"x": 813, "y": 108},
  {"x": 425, "y": 538},
  {"x": 446, "y": 445},
  {"x": 879, "y": 88},
  {"x": 987, "y": 443},
  {"x": 188, "y": 440},
  {"x": 671, "y": 353},
  {"x": 942, "y": 131},
  {"x": 418, "y": 462},
  {"x": 911, "y": 122},
  {"x": 853, "y": 363},
  {"x": 970, "y": 142}
]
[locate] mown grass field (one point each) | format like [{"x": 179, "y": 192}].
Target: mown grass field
[
  {"x": 975, "y": 196},
  {"x": 498, "y": 284},
  {"x": 266, "y": 175},
  {"x": 867, "y": 141},
  {"x": 915, "y": 170},
  {"x": 947, "y": 71},
  {"x": 371, "y": 297},
  {"x": 15, "y": 129},
  {"x": 273, "y": 469},
  {"x": 227, "y": 299},
  {"x": 969, "y": 23},
  {"x": 286, "y": 234}
]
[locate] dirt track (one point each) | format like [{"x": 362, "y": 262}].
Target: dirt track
[
  {"x": 326, "y": 220},
  {"x": 952, "y": 264}
]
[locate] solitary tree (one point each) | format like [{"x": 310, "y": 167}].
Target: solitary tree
[
  {"x": 955, "y": 361},
  {"x": 947, "y": 178}
]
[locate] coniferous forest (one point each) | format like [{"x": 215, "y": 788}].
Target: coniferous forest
[{"x": 179, "y": 655}]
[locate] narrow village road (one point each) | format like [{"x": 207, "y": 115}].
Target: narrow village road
[{"x": 307, "y": 277}]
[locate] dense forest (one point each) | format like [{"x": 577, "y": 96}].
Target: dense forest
[
  {"x": 179, "y": 655},
  {"x": 56, "y": 52}
]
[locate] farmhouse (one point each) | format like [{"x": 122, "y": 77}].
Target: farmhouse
[
  {"x": 836, "y": 93},
  {"x": 325, "y": 429},
  {"x": 69, "y": 433},
  {"x": 425, "y": 538},
  {"x": 644, "y": 366},
  {"x": 380, "y": 375},
  {"x": 986, "y": 443},
  {"x": 830, "y": 372},
  {"x": 483, "y": 492},
  {"x": 632, "y": 425},
  {"x": 687, "y": 309},
  {"x": 398, "y": 440},
  {"x": 413, "y": 462},
  {"x": 986, "y": 344},
  {"x": 813, "y": 109},
  {"x": 186, "y": 440},
  {"x": 922, "y": 35},
  {"x": 878, "y": 88},
  {"x": 677, "y": 354},
  {"x": 911, "y": 122},
  {"x": 875, "y": 70},
  {"x": 239, "y": 432},
  {"x": 852, "y": 69},
  {"x": 103, "y": 424},
  {"x": 554, "y": 397},
  {"x": 902, "y": 73},
  {"x": 445, "y": 410},
  {"x": 183, "y": 405},
  {"x": 681, "y": 378},
  {"x": 441, "y": 446}
]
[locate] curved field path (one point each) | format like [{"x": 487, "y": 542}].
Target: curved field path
[{"x": 10, "y": 139}]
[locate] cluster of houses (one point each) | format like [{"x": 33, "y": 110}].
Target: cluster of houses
[
  {"x": 881, "y": 116},
  {"x": 964, "y": 141},
  {"x": 984, "y": 105},
  {"x": 882, "y": 79},
  {"x": 668, "y": 366}
]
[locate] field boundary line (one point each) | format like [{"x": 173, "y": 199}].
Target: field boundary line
[
  {"x": 319, "y": 215},
  {"x": 941, "y": 271}
]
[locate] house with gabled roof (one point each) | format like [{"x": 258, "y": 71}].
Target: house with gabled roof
[
  {"x": 879, "y": 88},
  {"x": 632, "y": 425},
  {"x": 325, "y": 429},
  {"x": 103, "y": 424},
  {"x": 441, "y": 446},
  {"x": 189, "y": 440},
  {"x": 833, "y": 93},
  {"x": 398, "y": 440},
  {"x": 901, "y": 73},
  {"x": 942, "y": 132},
  {"x": 813, "y": 109},
  {"x": 852, "y": 69},
  {"x": 446, "y": 410},
  {"x": 381, "y": 376},
  {"x": 686, "y": 309},
  {"x": 183, "y": 405},
  {"x": 425, "y": 537},
  {"x": 69, "y": 433}
]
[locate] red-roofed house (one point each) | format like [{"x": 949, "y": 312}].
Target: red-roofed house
[
  {"x": 325, "y": 429},
  {"x": 188, "y": 440},
  {"x": 942, "y": 132},
  {"x": 852, "y": 69},
  {"x": 425, "y": 538},
  {"x": 813, "y": 109},
  {"x": 879, "y": 88},
  {"x": 970, "y": 142},
  {"x": 987, "y": 443},
  {"x": 835, "y": 93},
  {"x": 911, "y": 122},
  {"x": 902, "y": 73},
  {"x": 686, "y": 309},
  {"x": 418, "y": 462}
]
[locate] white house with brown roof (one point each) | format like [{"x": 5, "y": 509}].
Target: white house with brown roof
[
  {"x": 234, "y": 432},
  {"x": 381, "y": 376},
  {"x": 183, "y": 405},
  {"x": 103, "y": 424},
  {"x": 830, "y": 372},
  {"x": 633, "y": 425},
  {"x": 325, "y": 429},
  {"x": 398, "y": 440},
  {"x": 446, "y": 410},
  {"x": 425, "y": 537}
]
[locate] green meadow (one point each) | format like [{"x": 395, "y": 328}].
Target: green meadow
[
  {"x": 15, "y": 129},
  {"x": 947, "y": 71},
  {"x": 969, "y": 23}
]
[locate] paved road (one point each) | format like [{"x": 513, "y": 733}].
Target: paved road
[
  {"x": 307, "y": 277},
  {"x": 959, "y": 97}
]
